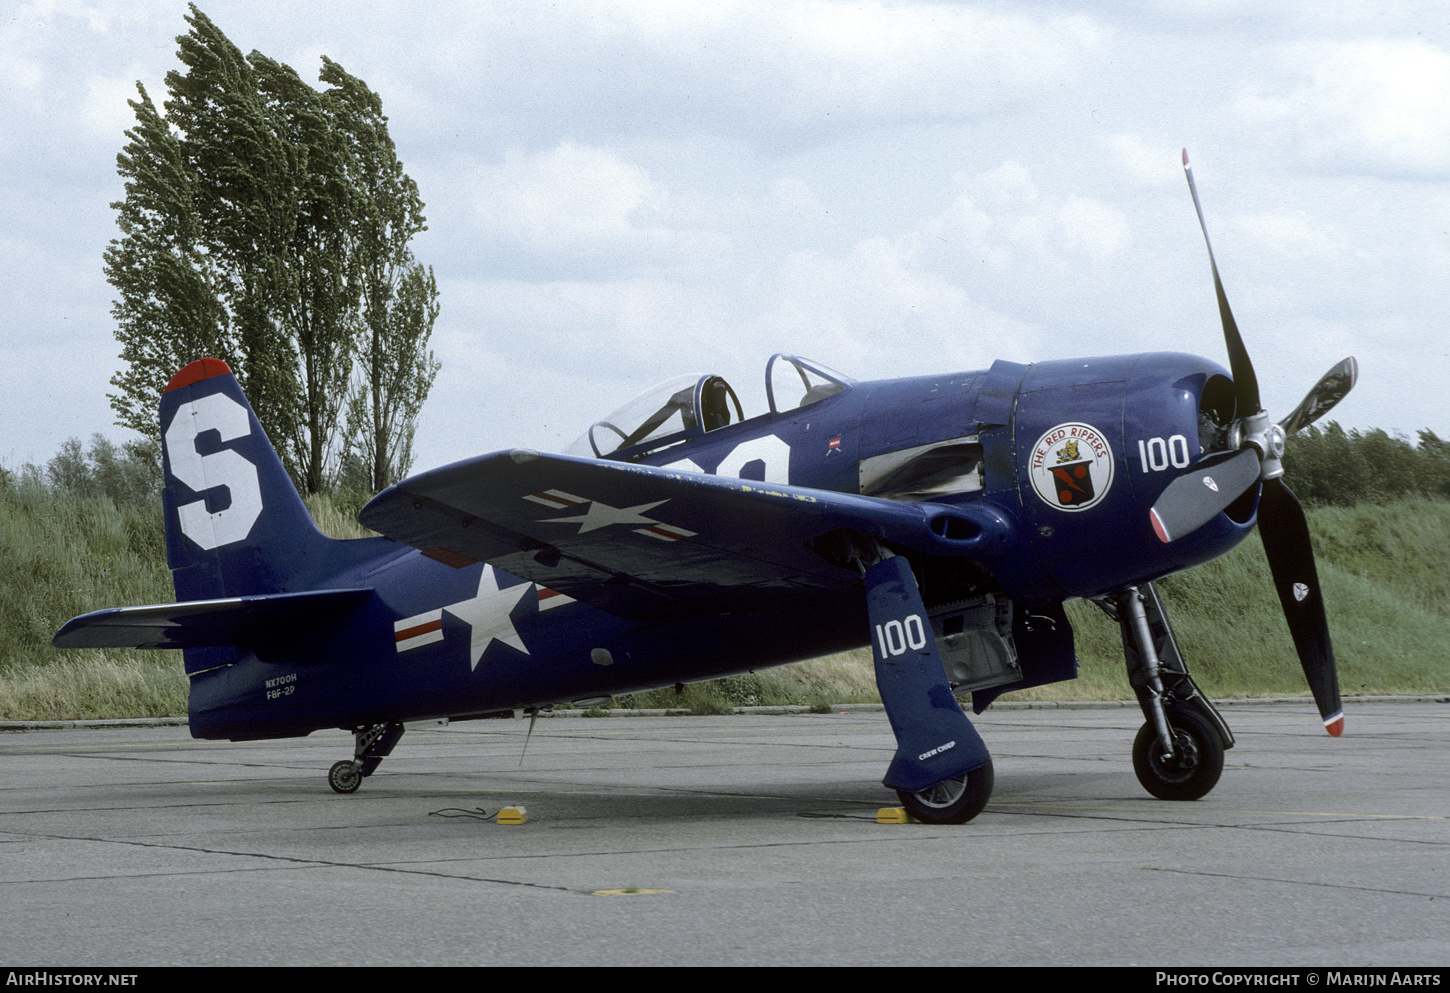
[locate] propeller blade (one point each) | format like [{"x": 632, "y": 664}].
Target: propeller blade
[
  {"x": 1246, "y": 384},
  {"x": 1331, "y": 388},
  {"x": 1291, "y": 560},
  {"x": 1198, "y": 495}
]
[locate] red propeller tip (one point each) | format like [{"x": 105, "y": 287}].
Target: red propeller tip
[
  {"x": 1185, "y": 157},
  {"x": 1158, "y": 528},
  {"x": 1335, "y": 725}
]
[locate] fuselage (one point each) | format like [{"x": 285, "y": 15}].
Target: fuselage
[{"x": 1069, "y": 455}]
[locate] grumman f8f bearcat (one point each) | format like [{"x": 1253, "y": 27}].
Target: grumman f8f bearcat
[{"x": 941, "y": 519}]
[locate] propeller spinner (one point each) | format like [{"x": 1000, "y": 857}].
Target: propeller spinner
[{"x": 1220, "y": 478}]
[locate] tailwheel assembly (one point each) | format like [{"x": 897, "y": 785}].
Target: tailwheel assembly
[
  {"x": 345, "y": 777},
  {"x": 373, "y": 743}
]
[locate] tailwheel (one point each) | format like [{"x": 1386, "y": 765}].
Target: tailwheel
[
  {"x": 954, "y": 801},
  {"x": 374, "y": 742},
  {"x": 345, "y": 776},
  {"x": 1193, "y": 768}
]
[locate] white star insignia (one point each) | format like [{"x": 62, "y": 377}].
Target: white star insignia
[
  {"x": 488, "y": 615},
  {"x": 601, "y": 515}
]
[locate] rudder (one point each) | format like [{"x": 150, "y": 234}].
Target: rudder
[{"x": 235, "y": 525}]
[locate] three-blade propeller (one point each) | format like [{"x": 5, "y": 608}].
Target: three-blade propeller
[{"x": 1220, "y": 478}]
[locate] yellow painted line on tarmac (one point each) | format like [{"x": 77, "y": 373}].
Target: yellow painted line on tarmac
[{"x": 1198, "y": 808}]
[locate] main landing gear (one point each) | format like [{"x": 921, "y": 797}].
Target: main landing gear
[
  {"x": 1190, "y": 769},
  {"x": 374, "y": 743},
  {"x": 1178, "y": 753},
  {"x": 941, "y": 770},
  {"x": 954, "y": 801}
]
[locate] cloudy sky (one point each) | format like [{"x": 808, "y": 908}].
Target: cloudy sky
[{"x": 620, "y": 192}]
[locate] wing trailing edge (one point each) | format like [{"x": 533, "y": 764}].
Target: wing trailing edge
[{"x": 205, "y": 623}]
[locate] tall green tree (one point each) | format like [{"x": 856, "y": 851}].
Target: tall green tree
[
  {"x": 394, "y": 368},
  {"x": 171, "y": 305},
  {"x": 395, "y": 373},
  {"x": 248, "y": 232}
]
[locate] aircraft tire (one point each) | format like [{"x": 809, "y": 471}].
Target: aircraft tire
[
  {"x": 1196, "y": 765},
  {"x": 955, "y": 801},
  {"x": 344, "y": 777}
]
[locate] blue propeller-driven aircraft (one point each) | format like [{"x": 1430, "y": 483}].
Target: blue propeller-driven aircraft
[{"x": 943, "y": 520}]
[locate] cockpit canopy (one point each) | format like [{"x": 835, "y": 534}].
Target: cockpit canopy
[
  {"x": 689, "y": 406},
  {"x": 682, "y": 406}
]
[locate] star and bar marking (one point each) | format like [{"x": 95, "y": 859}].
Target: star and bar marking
[
  {"x": 601, "y": 515},
  {"x": 487, "y": 613}
]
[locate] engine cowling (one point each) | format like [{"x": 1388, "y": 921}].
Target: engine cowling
[{"x": 1093, "y": 442}]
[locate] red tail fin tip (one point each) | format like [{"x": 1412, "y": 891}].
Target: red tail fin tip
[{"x": 196, "y": 371}]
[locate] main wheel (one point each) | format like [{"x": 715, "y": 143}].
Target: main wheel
[
  {"x": 1195, "y": 766},
  {"x": 954, "y": 801},
  {"x": 345, "y": 777}
]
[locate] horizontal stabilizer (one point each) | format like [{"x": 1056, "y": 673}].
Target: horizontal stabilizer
[{"x": 204, "y": 623}]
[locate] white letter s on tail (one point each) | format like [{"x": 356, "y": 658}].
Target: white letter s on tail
[{"x": 208, "y": 472}]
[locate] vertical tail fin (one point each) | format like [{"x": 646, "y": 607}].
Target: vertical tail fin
[{"x": 235, "y": 525}]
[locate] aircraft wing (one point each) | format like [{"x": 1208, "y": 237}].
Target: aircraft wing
[
  {"x": 642, "y": 542},
  {"x": 203, "y": 623}
]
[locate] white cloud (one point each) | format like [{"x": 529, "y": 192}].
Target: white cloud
[
  {"x": 614, "y": 324},
  {"x": 1091, "y": 227},
  {"x": 908, "y": 60},
  {"x": 1293, "y": 236},
  {"x": 577, "y": 198},
  {"x": 568, "y": 194},
  {"x": 972, "y": 283},
  {"x": 1001, "y": 222},
  {"x": 795, "y": 197},
  {"x": 1147, "y": 161},
  {"x": 105, "y": 110},
  {"x": 874, "y": 312},
  {"x": 1378, "y": 105},
  {"x": 795, "y": 66}
]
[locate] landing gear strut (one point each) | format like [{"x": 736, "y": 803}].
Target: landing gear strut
[
  {"x": 1178, "y": 754},
  {"x": 374, "y": 743}
]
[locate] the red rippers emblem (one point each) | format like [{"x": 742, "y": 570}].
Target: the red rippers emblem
[{"x": 1071, "y": 467}]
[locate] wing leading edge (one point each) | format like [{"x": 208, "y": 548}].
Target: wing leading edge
[{"x": 642, "y": 542}]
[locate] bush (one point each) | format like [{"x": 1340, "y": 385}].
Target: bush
[{"x": 1332, "y": 467}]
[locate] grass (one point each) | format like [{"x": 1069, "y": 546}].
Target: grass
[
  {"x": 95, "y": 685},
  {"x": 1383, "y": 568},
  {"x": 62, "y": 555},
  {"x": 1386, "y": 585}
]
